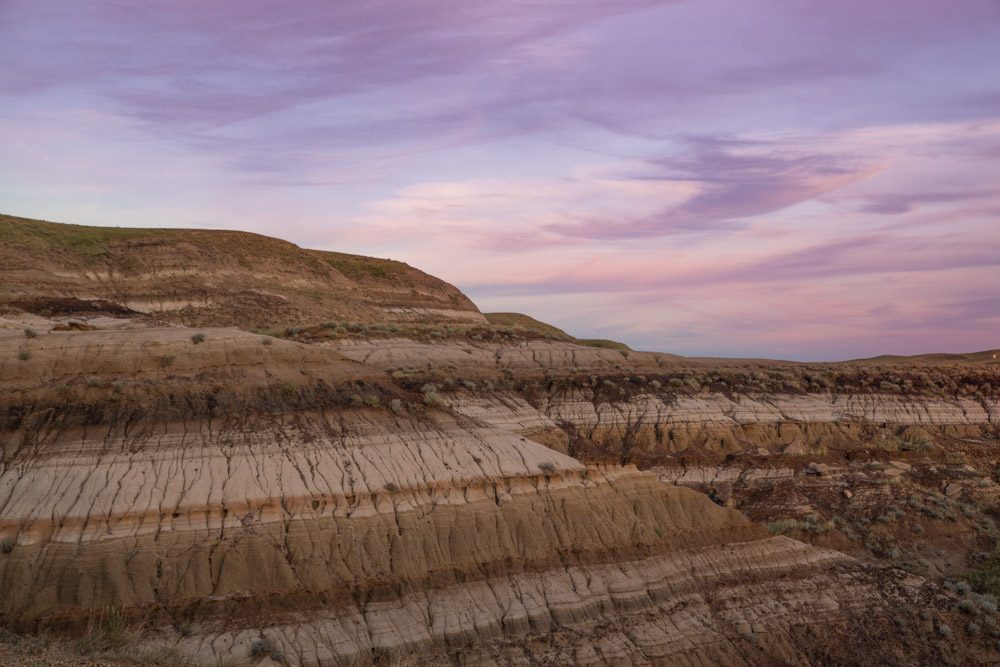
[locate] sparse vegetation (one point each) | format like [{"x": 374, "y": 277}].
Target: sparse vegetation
[
  {"x": 110, "y": 632},
  {"x": 30, "y": 333},
  {"x": 391, "y": 487},
  {"x": 547, "y": 467},
  {"x": 7, "y": 545},
  {"x": 198, "y": 338},
  {"x": 24, "y": 354}
]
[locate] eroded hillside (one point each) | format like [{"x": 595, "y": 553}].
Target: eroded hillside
[
  {"x": 355, "y": 490},
  {"x": 210, "y": 277}
]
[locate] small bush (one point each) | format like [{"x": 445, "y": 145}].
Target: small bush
[
  {"x": 547, "y": 467},
  {"x": 433, "y": 398},
  {"x": 391, "y": 487},
  {"x": 30, "y": 333},
  {"x": 477, "y": 459},
  {"x": 750, "y": 637},
  {"x": 968, "y": 606},
  {"x": 7, "y": 545},
  {"x": 198, "y": 338},
  {"x": 24, "y": 354},
  {"x": 165, "y": 360},
  {"x": 262, "y": 647},
  {"x": 267, "y": 341},
  {"x": 972, "y": 628},
  {"x": 917, "y": 528},
  {"x": 944, "y": 630},
  {"x": 986, "y": 602}
]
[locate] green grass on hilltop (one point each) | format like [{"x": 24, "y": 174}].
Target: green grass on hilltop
[
  {"x": 359, "y": 267},
  {"x": 524, "y": 322},
  {"x": 603, "y": 343}
]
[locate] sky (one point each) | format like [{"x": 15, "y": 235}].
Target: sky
[{"x": 777, "y": 178}]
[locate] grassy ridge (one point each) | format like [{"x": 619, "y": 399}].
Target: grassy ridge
[{"x": 530, "y": 323}]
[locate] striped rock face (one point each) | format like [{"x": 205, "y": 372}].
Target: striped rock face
[{"x": 244, "y": 494}]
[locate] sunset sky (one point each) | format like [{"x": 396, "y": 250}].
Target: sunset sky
[{"x": 785, "y": 178}]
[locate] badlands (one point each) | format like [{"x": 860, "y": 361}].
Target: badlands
[{"x": 218, "y": 448}]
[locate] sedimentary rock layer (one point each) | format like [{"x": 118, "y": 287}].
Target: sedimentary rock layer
[{"x": 248, "y": 491}]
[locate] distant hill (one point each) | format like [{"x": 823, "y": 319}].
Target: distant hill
[
  {"x": 212, "y": 278},
  {"x": 934, "y": 359},
  {"x": 528, "y": 322},
  {"x": 525, "y": 322}
]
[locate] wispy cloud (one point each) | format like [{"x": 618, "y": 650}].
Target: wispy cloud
[{"x": 727, "y": 176}]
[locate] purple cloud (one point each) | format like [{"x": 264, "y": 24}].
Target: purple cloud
[{"x": 813, "y": 174}]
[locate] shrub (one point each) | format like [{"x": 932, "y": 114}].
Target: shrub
[
  {"x": 433, "y": 398},
  {"x": 477, "y": 459},
  {"x": 30, "y": 333},
  {"x": 198, "y": 338},
  {"x": 263, "y": 647},
  {"x": 750, "y": 637},
  {"x": 267, "y": 341},
  {"x": 165, "y": 360},
  {"x": 676, "y": 382},
  {"x": 917, "y": 528},
  {"x": 986, "y": 602},
  {"x": 944, "y": 630},
  {"x": 972, "y": 628},
  {"x": 969, "y": 607},
  {"x": 547, "y": 467},
  {"x": 391, "y": 487},
  {"x": 920, "y": 445},
  {"x": 7, "y": 545},
  {"x": 95, "y": 381},
  {"x": 24, "y": 354}
]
